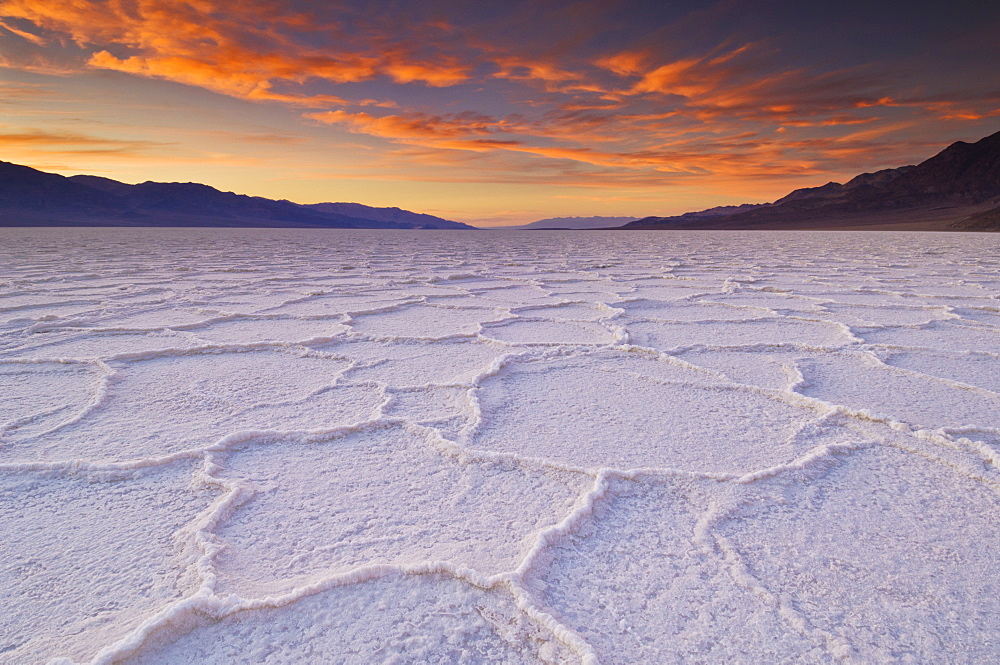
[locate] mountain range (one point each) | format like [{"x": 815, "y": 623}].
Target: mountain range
[
  {"x": 956, "y": 189},
  {"x": 29, "y": 197},
  {"x": 567, "y": 223}
]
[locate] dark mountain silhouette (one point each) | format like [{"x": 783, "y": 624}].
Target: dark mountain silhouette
[
  {"x": 957, "y": 189},
  {"x": 564, "y": 223},
  {"x": 24, "y": 190},
  {"x": 988, "y": 220},
  {"x": 29, "y": 197},
  {"x": 106, "y": 185},
  {"x": 394, "y": 215},
  {"x": 945, "y": 192}
]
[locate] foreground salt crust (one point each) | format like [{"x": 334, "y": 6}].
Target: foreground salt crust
[{"x": 346, "y": 446}]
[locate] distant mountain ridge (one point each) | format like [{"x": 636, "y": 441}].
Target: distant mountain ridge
[
  {"x": 956, "y": 189},
  {"x": 29, "y": 197},
  {"x": 574, "y": 223},
  {"x": 719, "y": 211},
  {"x": 391, "y": 215}
]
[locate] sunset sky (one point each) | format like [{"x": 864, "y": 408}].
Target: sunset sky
[{"x": 494, "y": 112}]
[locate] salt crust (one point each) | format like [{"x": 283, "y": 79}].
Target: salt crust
[{"x": 296, "y": 446}]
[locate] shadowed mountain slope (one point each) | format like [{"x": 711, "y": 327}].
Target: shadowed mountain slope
[
  {"x": 390, "y": 215},
  {"x": 564, "y": 223},
  {"x": 29, "y": 197},
  {"x": 941, "y": 193}
]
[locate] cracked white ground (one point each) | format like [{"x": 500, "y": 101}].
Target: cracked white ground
[{"x": 304, "y": 446}]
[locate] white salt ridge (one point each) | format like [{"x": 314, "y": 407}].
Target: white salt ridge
[{"x": 291, "y": 446}]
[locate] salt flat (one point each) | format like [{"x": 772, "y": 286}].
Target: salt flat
[{"x": 283, "y": 446}]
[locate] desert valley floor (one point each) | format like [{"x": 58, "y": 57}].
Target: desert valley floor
[{"x": 269, "y": 446}]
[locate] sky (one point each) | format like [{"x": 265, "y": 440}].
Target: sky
[{"x": 494, "y": 113}]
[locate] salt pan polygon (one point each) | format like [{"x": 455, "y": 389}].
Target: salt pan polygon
[
  {"x": 321, "y": 508},
  {"x": 666, "y": 336},
  {"x": 531, "y": 331},
  {"x": 284, "y": 446},
  {"x": 166, "y": 403},
  {"x": 423, "y": 321},
  {"x": 876, "y": 551},
  {"x": 632, "y": 410},
  {"x": 87, "y": 557},
  {"x": 975, "y": 369},
  {"x": 636, "y": 583},
  {"x": 861, "y": 381},
  {"x": 393, "y": 619}
]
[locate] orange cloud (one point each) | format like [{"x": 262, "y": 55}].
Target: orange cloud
[
  {"x": 23, "y": 34},
  {"x": 741, "y": 84},
  {"x": 684, "y": 78},
  {"x": 203, "y": 44},
  {"x": 10, "y": 91},
  {"x": 838, "y": 121},
  {"x": 440, "y": 75},
  {"x": 636, "y": 115},
  {"x": 516, "y": 68},
  {"x": 869, "y": 103},
  {"x": 956, "y": 110},
  {"x": 252, "y": 82},
  {"x": 626, "y": 63},
  {"x": 43, "y": 143},
  {"x": 411, "y": 126},
  {"x": 943, "y": 108},
  {"x": 481, "y": 134},
  {"x": 546, "y": 74}
]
